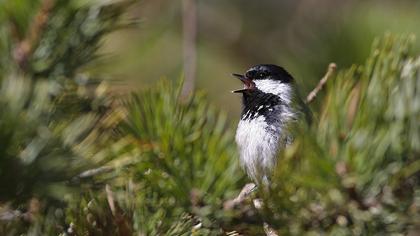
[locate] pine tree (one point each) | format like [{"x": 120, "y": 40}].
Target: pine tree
[
  {"x": 356, "y": 172},
  {"x": 54, "y": 119}
]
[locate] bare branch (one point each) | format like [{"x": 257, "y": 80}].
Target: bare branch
[
  {"x": 93, "y": 172},
  {"x": 110, "y": 199},
  {"x": 242, "y": 196},
  {"x": 330, "y": 71},
  {"x": 269, "y": 231},
  {"x": 189, "y": 46}
]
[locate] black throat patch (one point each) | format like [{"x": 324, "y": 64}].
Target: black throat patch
[{"x": 257, "y": 103}]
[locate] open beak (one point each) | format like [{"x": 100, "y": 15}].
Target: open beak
[{"x": 248, "y": 84}]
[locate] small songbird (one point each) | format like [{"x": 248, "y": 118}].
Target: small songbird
[{"x": 270, "y": 104}]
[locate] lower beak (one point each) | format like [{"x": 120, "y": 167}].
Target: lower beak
[{"x": 248, "y": 84}]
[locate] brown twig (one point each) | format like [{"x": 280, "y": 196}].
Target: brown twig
[
  {"x": 189, "y": 46},
  {"x": 353, "y": 105},
  {"x": 242, "y": 196},
  {"x": 269, "y": 231},
  {"x": 93, "y": 172},
  {"x": 25, "y": 47},
  {"x": 330, "y": 71},
  {"x": 110, "y": 199}
]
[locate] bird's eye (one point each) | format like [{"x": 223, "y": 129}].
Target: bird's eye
[{"x": 262, "y": 74}]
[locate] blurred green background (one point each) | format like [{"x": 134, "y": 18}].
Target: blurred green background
[
  {"x": 303, "y": 36},
  {"x": 83, "y": 156}
]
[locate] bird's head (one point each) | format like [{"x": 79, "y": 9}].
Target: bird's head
[{"x": 266, "y": 78}]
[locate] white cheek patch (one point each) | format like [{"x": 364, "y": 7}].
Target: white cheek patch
[{"x": 275, "y": 87}]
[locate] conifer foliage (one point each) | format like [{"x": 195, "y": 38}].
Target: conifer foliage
[{"x": 356, "y": 171}]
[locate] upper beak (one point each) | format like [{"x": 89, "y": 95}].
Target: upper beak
[{"x": 248, "y": 84}]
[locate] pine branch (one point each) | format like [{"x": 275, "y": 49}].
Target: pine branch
[{"x": 352, "y": 162}]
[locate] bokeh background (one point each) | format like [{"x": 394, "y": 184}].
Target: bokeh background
[
  {"x": 94, "y": 142},
  {"x": 303, "y": 36}
]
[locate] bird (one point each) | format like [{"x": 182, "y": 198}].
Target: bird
[{"x": 270, "y": 105}]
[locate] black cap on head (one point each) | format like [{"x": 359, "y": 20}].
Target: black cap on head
[{"x": 269, "y": 71}]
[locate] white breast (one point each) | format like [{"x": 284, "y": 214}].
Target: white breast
[
  {"x": 259, "y": 141},
  {"x": 258, "y": 144}
]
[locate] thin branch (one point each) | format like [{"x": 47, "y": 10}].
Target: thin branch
[
  {"x": 110, "y": 199},
  {"x": 269, "y": 231},
  {"x": 189, "y": 18},
  {"x": 242, "y": 196},
  {"x": 330, "y": 71},
  {"x": 93, "y": 172},
  {"x": 25, "y": 47}
]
